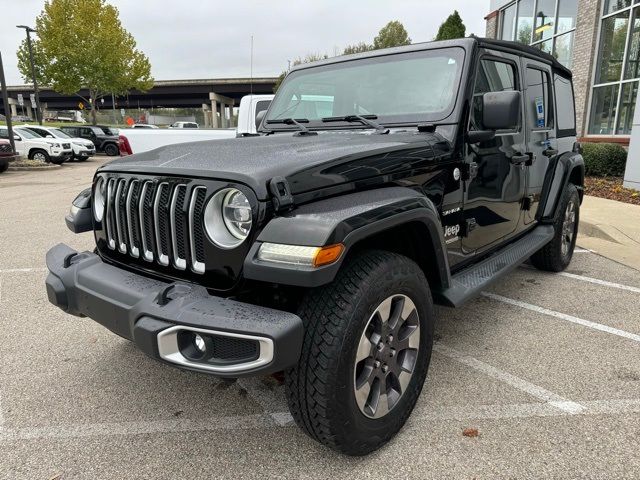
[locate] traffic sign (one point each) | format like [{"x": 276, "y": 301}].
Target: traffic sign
[
  {"x": 33, "y": 100},
  {"x": 20, "y": 100},
  {"x": 81, "y": 105}
]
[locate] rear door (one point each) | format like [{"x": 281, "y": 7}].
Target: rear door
[
  {"x": 493, "y": 197},
  {"x": 540, "y": 130}
]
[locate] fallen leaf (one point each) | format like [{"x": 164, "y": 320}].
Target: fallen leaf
[{"x": 470, "y": 432}]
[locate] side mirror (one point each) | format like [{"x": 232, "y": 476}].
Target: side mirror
[
  {"x": 501, "y": 110},
  {"x": 49, "y": 136},
  {"x": 17, "y": 138},
  {"x": 260, "y": 117}
]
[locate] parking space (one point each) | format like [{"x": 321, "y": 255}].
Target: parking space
[{"x": 546, "y": 367}]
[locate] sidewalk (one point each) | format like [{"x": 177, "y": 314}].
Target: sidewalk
[{"x": 611, "y": 229}]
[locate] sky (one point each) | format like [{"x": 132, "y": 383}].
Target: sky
[{"x": 194, "y": 39}]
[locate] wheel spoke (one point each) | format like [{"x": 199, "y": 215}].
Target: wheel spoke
[
  {"x": 382, "y": 406},
  {"x": 362, "y": 395},
  {"x": 403, "y": 380},
  {"x": 365, "y": 348},
  {"x": 384, "y": 310}
]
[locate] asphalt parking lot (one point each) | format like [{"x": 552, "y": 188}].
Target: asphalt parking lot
[{"x": 546, "y": 368}]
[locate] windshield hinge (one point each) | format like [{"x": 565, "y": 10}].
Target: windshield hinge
[{"x": 281, "y": 194}]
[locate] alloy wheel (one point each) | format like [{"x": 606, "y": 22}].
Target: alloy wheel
[
  {"x": 568, "y": 228},
  {"x": 386, "y": 356}
]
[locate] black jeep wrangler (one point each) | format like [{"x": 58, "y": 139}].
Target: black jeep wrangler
[{"x": 381, "y": 183}]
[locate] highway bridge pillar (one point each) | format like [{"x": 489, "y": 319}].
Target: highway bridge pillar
[{"x": 224, "y": 102}]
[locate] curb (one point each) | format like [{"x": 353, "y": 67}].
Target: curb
[{"x": 33, "y": 169}]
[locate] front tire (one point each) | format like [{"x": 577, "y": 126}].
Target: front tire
[
  {"x": 4, "y": 166},
  {"x": 40, "y": 156},
  {"x": 111, "y": 149},
  {"x": 366, "y": 352},
  {"x": 556, "y": 255}
]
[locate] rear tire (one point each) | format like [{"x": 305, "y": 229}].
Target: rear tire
[
  {"x": 40, "y": 155},
  {"x": 355, "y": 386},
  {"x": 111, "y": 149},
  {"x": 4, "y": 165},
  {"x": 556, "y": 255}
]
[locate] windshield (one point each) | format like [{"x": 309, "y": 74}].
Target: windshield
[
  {"x": 402, "y": 88},
  {"x": 59, "y": 133},
  {"x": 27, "y": 133}
]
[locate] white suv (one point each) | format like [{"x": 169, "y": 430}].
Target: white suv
[
  {"x": 33, "y": 146},
  {"x": 82, "y": 148}
]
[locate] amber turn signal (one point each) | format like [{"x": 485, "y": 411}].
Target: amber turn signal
[{"x": 328, "y": 254}]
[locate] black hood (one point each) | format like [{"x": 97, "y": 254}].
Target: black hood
[{"x": 307, "y": 162}]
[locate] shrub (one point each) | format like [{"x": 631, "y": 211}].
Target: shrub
[{"x": 604, "y": 159}]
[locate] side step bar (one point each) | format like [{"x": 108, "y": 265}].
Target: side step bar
[{"x": 469, "y": 282}]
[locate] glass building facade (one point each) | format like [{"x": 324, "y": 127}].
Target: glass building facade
[
  {"x": 550, "y": 25},
  {"x": 617, "y": 69},
  {"x": 546, "y": 24}
]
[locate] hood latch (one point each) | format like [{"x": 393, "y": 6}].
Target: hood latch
[{"x": 281, "y": 194}]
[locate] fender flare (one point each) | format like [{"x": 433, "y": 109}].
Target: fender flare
[
  {"x": 347, "y": 219},
  {"x": 569, "y": 165}
]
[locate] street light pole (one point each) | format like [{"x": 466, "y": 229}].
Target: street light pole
[
  {"x": 7, "y": 110},
  {"x": 33, "y": 71}
]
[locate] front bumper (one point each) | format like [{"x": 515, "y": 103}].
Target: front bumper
[
  {"x": 83, "y": 153},
  {"x": 155, "y": 315}
]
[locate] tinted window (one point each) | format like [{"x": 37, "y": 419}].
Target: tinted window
[
  {"x": 566, "y": 115},
  {"x": 493, "y": 76},
  {"x": 539, "y": 112}
]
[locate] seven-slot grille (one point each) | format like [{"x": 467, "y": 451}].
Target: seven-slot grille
[{"x": 156, "y": 221}]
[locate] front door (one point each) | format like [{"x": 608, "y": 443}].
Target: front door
[
  {"x": 540, "y": 131},
  {"x": 493, "y": 197}
]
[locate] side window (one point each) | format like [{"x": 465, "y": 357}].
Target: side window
[
  {"x": 566, "y": 113},
  {"x": 538, "y": 100},
  {"x": 493, "y": 76}
]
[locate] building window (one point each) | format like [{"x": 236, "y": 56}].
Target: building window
[
  {"x": 546, "y": 24},
  {"x": 617, "y": 72}
]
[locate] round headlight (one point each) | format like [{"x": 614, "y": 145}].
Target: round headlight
[
  {"x": 99, "y": 194},
  {"x": 228, "y": 218}
]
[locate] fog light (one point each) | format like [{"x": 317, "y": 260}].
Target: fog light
[{"x": 199, "y": 343}]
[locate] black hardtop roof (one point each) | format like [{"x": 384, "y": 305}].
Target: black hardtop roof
[{"x": 467, "y": 43}]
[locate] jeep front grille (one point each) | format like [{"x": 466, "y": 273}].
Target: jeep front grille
[{"x": 158, "y": 222}]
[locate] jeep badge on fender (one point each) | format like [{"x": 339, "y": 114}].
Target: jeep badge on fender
[{"x": 319, "y": 247}]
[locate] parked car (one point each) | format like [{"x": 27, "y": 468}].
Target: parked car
[
  {"x": 250, "y": 112},
  {"x": 143, "y": 125},
  {"x": 184, "y": 125},
  {"x": 319, "y": 248},
  {"x": 35, "y": 147},
  {"x": 109, "y": 130},
  {"x": 103, "y": 142},
  {"x": 82, "y": 148},
  {"x": 7, "y": 155}
]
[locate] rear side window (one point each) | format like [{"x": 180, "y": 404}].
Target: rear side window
[
  {"x": 538, "y": 100},
  {"x": 493, "y": 76},
  {"x": 566, "y": 113}
]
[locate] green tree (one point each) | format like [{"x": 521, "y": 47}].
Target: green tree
[
  {"x": 393, "y": 34},
  {"x": 82, "y": 44},
  {"x": 452, "y": 28},
  {"x": 357, "y": 48},
  {"x": 310, "y": 57}
]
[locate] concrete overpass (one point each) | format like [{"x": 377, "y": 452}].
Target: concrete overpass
[{"x": 208, "y": 94}]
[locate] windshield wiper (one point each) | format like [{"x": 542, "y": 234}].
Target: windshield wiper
[
  {"x": 298, "y": 123},
  {"x": 364, "y": 119}
]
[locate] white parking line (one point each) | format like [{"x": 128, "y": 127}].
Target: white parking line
[
  {"x": 516, "y": 382},
  {"x": 597, "y": 281},
  {"x": 582, "y": 250},
  {"x": 23, "y": 270},
  {"x": 263, "y": 421},
  {"x": 564, "y": 316}
]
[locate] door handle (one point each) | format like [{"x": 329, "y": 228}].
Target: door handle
[
  {"x": 550, "y": 152},
  {"x": 520, "y": 159}
]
